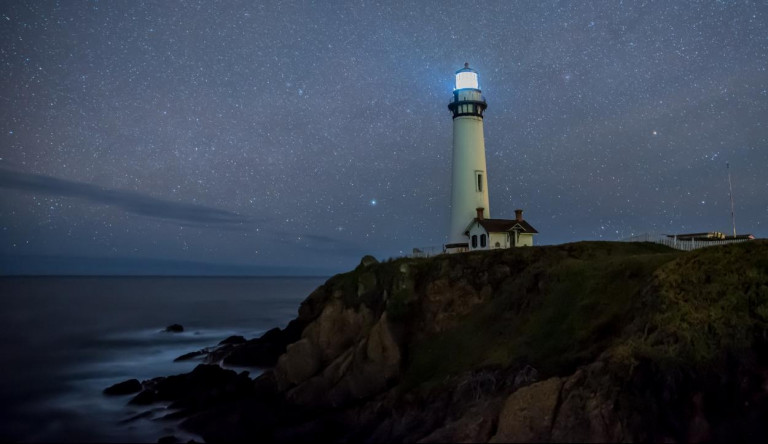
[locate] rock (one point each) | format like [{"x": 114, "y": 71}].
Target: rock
[
  {"x": 259, "y": 352},
  {"x": 368, "y": 260},
  {"x": 206, "y": 385},
  {"x": 475, "y": 426},
  {"x": 234, "y": 340},
  {"x": 528, "y": 413},
  {"x": 190, "y": 355},
  {"x": 325, "y": 339},
  {"x": 365, "y": 369},
  {"x": 145, "y": 397},
  {"x": 124, "y": 388},
  {"x": 300, "y": 361},
  {"x": 337, "y": 328},
  {"x": 169, "y": 439},
  {"x": 136, "y": 417},
  {"x": 174, "y": 328},
  {"x": 587, "y": 410}
]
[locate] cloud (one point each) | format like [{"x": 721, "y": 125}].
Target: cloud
[{"x": 130, "y": 201}]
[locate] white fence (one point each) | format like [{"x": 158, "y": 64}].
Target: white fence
[
  {"x": 427, "y": 251},
  {"x": 673, "y": 242}
]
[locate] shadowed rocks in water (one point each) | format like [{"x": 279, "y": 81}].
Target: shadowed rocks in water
[
  {"x": 124, "y": 388},
  {"x": 191, "y": 355},
  {"x": 232, "y": 340},
  {"x": 264, "y": 351},
  {"x": 206, "y": 385},
  {"x": 174, "y": 328}
]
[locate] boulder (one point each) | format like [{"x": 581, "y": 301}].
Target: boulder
[
  {"x": 206, "y": 385},
  {"x": 587, "y": 411},
  {"x": 337, "y": 328},
  {"x": 190, "y": 355},
  {"x": 368, "y": 260},
  {"x": 363, "y": 370},
  {"x": 474, "y": 426},
  {"x": 234, "y": 340},
  {"x": 124, "y": 388},
  {"x": 528, "y": 413},
  {"x": 300, "y": 361},
  {"x": 174, "y": 328}
]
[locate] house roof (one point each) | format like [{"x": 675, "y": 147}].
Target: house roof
[{"x": 504, "y": 225}]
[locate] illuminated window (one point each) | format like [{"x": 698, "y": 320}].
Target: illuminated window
[
  {"x": 474, "y": 241},
  {"x": 482, "y": 240}
]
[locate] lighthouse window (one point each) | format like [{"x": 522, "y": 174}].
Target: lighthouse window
[
  {"x": 479, "y": 182},
  {"x": 474, "y": 241}
]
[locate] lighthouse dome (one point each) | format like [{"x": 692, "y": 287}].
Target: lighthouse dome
[{"x": 466, "y": 77}]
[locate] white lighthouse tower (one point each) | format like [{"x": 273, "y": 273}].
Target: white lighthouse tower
[{"x": 469, "y": 184}]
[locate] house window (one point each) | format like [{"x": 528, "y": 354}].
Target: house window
[
  {"x": 498, "y": 245},
  {"x": 479, "y": 181},
  {"x": 474, "y": 241},
  {"x": 482, "y": 240}
]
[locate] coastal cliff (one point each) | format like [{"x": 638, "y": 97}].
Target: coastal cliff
[{"x": 591, "y": 341}]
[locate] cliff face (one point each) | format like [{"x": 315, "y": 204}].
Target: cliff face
[{"x": 579, "y": 342}]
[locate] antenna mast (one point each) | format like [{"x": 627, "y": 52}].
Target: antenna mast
[{"x": 730, "y": 193}]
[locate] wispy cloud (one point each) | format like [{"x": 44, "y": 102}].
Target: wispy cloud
[{"x": 129, "y": 201}]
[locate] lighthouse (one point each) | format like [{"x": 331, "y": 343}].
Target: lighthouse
[{"x": 469, "y": 179}]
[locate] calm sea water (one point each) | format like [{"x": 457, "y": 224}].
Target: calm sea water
[{"x": 64, "y": 339}]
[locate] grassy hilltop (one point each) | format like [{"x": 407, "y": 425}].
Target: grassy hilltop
[{"x": 558, "y": 307}]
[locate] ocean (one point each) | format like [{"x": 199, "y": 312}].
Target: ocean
[{"x": 65, "y": 339}]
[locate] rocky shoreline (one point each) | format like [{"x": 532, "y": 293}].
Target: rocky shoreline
[{"x": 580, "y": 342}]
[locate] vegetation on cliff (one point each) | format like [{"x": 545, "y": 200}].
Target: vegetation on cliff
[{"x": 591, "y": 341}]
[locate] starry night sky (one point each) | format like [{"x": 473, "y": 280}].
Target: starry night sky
[{"x": 295, "y": 137}]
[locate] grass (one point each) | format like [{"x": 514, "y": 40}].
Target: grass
[
  {"x": 710, "y": 303},
  {"x": 560, "y": 309}
]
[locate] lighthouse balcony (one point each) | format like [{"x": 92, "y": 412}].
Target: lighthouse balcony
[{"x": 467, "y": 95}]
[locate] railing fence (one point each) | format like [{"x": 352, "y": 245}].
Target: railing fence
[{"x": 673, "y": 242}]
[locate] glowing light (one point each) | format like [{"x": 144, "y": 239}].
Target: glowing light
[
  {"x": 466, "y": 79},
  {"x": 373, "y": 202}
]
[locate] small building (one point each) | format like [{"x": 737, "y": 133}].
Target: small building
[{"x": 489, "y": 234}]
